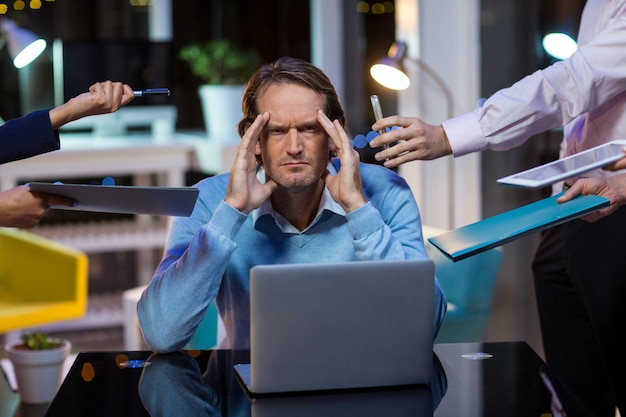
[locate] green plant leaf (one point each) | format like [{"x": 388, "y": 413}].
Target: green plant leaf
[
  {"x": 220, "y": 62},
  {"x": 39, "y": 341}
]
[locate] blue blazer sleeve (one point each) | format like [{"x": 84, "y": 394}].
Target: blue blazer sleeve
[{"x": 27, "y": 136}]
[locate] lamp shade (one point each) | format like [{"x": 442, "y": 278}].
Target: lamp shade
[
  {"x": 23, "y": 45},
  {"x": 390, "y": 71},
  {"x": 559, "y": 45}
]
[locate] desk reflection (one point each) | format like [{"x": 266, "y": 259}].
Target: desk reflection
[
  {"x": 204, "y": 384},
  {"x": 480, "y": 380}
]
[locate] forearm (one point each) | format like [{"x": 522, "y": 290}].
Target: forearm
[
  {"x": 104, "y": 97},
  {"x": 511, "y": 116},
  {"x": 27, "y": 136},
  {"x": 62, "y": 115},
  {"x": 546, "y": 99},
  {"x": 375, "y": 239},
  {"x": 72, "y": 110},
  {"x": 186, "y": 282}
]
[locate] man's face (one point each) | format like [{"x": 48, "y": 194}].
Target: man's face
[{"x": 294, "y": 146}]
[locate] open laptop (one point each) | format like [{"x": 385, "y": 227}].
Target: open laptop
[{"x": 339, "y": 326}]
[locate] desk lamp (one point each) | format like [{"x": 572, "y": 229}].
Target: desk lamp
[
  {"x": 23, "y": 45},
  {"x": 390, "y": 72}
]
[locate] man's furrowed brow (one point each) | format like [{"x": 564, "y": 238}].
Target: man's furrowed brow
[
  {"x": 273, "y": 125},
  {"x": 309, "y": 123}
]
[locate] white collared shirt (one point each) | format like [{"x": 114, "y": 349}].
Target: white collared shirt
[{"x": 585, "y": 93}]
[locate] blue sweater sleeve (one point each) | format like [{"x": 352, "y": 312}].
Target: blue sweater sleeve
[
  {"x": 27, "y": 136},
  {"x": 188, "y": 278}
]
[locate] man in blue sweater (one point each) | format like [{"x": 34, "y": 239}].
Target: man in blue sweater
[
  {"x": 37, "y": 133},
  {"x": 296, "y": 193}
]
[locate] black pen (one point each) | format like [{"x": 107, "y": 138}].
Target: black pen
[{"x": 152, "y": 92}]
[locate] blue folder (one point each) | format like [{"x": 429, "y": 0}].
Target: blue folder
[{"x": 474, "y": 238}]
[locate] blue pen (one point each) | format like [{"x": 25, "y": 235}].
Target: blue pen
[{"x": 152, "y": 92}]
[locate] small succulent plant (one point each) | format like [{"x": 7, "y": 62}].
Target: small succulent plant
[{"x": 39, "y": 341}]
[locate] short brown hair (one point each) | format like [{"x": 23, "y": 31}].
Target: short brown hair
[{"x": 284, "y": 71}]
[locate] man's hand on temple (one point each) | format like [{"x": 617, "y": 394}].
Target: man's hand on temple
[
  {"x": 245, "y": 192},
  {"x": 346, "y": 187}
]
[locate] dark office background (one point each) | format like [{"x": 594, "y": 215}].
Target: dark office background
[
  {"x": 273, "y": 27},
  {"x": 510, "y": 44}
]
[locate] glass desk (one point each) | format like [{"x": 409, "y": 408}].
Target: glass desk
[{"x": 470, "y": 379}]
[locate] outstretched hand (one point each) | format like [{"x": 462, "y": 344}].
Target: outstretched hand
[
  {"x": 104, "y": 97},
  {"x": 23, "y": 209},
  {"x": 245, "y": 192},
  {"x": 613, "y": 188},
  {"x": 346, "y": 187},
  {"x": 416, "y": 140}
]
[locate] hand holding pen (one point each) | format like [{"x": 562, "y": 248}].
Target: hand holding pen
[
  {"x": 102, "y": 97},
  {"x": 152, "y": 92}
]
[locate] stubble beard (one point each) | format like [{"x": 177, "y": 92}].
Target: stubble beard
[{"x": 296, "y": 181}]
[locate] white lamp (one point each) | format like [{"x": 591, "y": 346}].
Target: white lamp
[
  {"x": 559, "y": 45},
  {"x": 390, "y": 72},
  {"x": 23, "y": 45}
]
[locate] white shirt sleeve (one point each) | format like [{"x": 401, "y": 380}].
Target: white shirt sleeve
[{"x": 593, "y": 76}]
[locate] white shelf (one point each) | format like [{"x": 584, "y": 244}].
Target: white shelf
[
  {"x": 107, "y": 236},
  {"x": 103, "y": 311}
]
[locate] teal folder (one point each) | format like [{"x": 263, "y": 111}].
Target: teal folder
[{"x": 474, "y": 238}]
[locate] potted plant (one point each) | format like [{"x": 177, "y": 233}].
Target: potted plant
[
  {"x": 224, "y": 70},
  {"x": 38, "y": 364}
]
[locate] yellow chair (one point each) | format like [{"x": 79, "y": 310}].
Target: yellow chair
[{"x": 41, "y": 281}]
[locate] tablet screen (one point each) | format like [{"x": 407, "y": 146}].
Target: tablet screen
[{"x": 567, "y": 167}]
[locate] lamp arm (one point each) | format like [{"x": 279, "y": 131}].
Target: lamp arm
[{"x": 440, "y": 83}]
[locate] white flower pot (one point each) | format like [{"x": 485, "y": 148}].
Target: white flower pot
[
  {"x": 221, "y": 108},
  {"x": 38, "y": 372}
]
